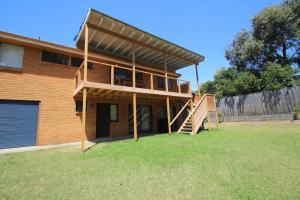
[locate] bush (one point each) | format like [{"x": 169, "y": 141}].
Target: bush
[
  {"x": 296, "y": 112},
  {"x": 275, "y": 77},
  {"x": 221, "y": 117}
]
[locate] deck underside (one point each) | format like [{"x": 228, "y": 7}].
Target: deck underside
[{"x": 101, "y": 90}]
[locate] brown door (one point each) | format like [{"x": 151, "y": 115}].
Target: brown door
[{"x": 102, "y": 120}]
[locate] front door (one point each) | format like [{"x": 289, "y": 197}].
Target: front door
[{"x": 102, "y": 120}]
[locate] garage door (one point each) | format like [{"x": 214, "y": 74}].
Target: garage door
[{"x": 18, "y": 123}]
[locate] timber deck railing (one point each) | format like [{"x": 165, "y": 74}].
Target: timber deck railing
[
  {"x": 113, "y": 74},
  {"x": 199, "y": 112}
]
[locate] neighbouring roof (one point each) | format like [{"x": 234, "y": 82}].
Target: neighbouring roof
[{"x": 111, "y": 36}]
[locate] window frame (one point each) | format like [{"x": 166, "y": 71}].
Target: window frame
[
  {"x": 78, "y": 106},
  {"x": 139, "y": 77},
  {"x": 90, "y": 65},
  {"x": 66, "y": 60},
  {"x": 117, "y": 113},
  {"x": 3, "y": 67},
  {"x": 119, "y": 72},
  {"x": 80, "y": 103},
  {"x": 169, "y": 84},
  {"x": 157, "y": 83}
]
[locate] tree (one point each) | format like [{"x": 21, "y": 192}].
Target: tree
[
  {"x": 275, "y": 77},
  {"x": 246, "y": 82},
  {"x": 278, "y": 29},
  {"x": 208, "y": 87},
  {"x": 245, "y": 51},
  {"x": 274, "y": 37},
  {"x": 224, "y": 82},
  {"x": 262, "y": 58}
]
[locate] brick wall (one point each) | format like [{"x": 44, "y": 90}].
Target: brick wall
[
  {"x": 53, "y": 86},
  {"x": 50, "y": 84}
]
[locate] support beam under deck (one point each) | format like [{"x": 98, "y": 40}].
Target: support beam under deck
[
  {"x": 83, "y": 120},
  {"x": 169, "y": 116},
  {"x": 134, "y": 117}
]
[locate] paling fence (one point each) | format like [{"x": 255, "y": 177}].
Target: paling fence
[{"x": 268, "y": 105}]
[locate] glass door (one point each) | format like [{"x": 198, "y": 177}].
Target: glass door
[{"x": 144, "y": 118}]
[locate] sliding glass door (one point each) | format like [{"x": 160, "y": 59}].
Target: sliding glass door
[{"x": 144, "y": 118}]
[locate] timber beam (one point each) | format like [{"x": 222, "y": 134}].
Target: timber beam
[{"x": 139, "y": 43}]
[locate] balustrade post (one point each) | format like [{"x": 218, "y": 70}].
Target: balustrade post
[{"x": 112, "y": 75}]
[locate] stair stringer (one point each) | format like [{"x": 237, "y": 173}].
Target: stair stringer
[{"x": 197, "y": 115}]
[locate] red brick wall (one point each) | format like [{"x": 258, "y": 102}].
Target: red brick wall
[{"x": 53, "y": 86}]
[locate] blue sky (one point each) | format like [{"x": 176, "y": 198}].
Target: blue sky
[{"x": 206, "y": 27}]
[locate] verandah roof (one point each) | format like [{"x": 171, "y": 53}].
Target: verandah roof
[{"x": 111, "y": 36}]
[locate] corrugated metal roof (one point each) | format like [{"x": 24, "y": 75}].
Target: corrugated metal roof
[{"x": 111, "y": 36}]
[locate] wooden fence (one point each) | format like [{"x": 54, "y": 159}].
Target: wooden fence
[{"x": 269, "y": 105}]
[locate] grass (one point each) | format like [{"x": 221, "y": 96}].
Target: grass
[{"x": 243, "y": 161}]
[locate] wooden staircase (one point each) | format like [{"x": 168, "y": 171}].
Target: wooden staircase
[{"x": 197, "y": 114}]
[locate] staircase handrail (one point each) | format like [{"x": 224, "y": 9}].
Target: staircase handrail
[{"x": 187, "y": 103}]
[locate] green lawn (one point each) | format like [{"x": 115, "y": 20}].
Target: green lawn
[{"x": 244, "y": 161}]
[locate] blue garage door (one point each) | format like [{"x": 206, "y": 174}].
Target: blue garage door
[{"x": 18, "y": 123}]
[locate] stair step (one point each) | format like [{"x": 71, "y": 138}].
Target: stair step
[
  {"x": 187, "y": 125},
  {"x": 185, "y": 132}
]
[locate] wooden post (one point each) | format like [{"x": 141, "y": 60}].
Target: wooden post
[
  {"x": 168, "y": 98},
  {"x": 166, "y": 74},
  {"x": 216, "y": 119},
  {"x": 85, "y": 63},
  {"x": 134, "y": 117},
  {"x": 134, "y": 95},
  {"x": 83, "y": 121},
  {"x": 168, "y": 113},
  {"x": 193, "y": 120},
  {"x": 112, "y": 75},
  {"x": 179, "y": 86},
  {"x": 216, "y": 114},
  {"x": 151, "y": 81},
  {"x": 86, "y": 42},
  {"x": 133, "y": 66},
  {"x": 198, "y": 87},
  {"x": 208, "y": 120},
  {"x": 197, "y": 77},
  {"x": 190, "y": 89}
]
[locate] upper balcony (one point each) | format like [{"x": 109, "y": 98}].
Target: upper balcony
[
  {"x": 112, "y": 79},
  {"x": 106, "y": 35}
]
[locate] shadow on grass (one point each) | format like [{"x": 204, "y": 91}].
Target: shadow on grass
[{"x": 98, "y": 141}]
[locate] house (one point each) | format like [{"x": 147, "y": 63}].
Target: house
[{"x": 119, "y": 80}]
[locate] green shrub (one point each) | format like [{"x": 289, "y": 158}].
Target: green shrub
[
  {"x": 296, "y": 112},
  {"x": 221, "y": 117}
]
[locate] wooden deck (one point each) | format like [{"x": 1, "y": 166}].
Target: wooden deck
[
  {"x": 160, "y": 83},
  {"x": 108, "y": 90}
]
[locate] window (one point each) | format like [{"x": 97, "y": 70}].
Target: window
[
  {"x": 127, "y": 74},
  {"x": 123, "y": 74},
  {"x": 78, "y": 106},
  {"x": 139, "y": 76},
  {"x": 113, "y": 112},
  {"x": 11, "y": 56},
  {"x": 169, "y": 84},
  {"x": 55, "y": 58},
  {"x": 76, "y": 62},
  {"x": 160, "y": 82}
]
